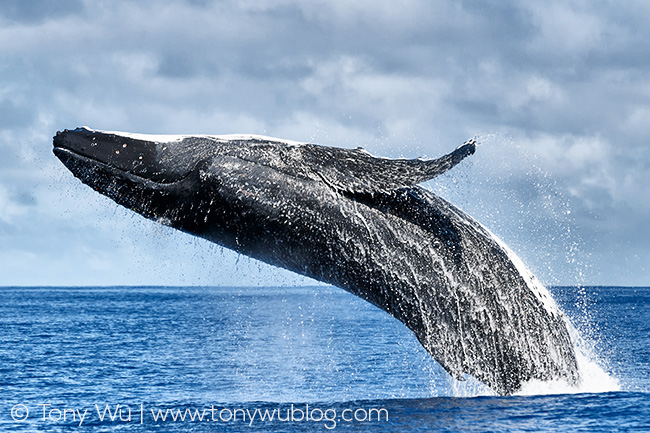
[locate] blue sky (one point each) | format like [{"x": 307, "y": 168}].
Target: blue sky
[{"x": 558, "y": 92}]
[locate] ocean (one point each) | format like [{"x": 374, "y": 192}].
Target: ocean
[{"x": 75, "y": 359}]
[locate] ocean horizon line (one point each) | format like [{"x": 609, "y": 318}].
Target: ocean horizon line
[{"x": 274, "y": 286}]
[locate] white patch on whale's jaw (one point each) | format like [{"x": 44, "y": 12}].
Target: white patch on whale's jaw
[{"x": 162, "y": 138}]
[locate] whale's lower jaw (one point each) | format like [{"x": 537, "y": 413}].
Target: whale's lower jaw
[{"x": 468, "y": 299}]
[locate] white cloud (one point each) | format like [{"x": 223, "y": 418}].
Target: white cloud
[
  {"x": 10, "y": 210},
  {"x": 351, "y": 84},
  {"x": 637, "y": 121},
  {"x": 567, "y": 27},
  {"x": 567, "y": 154}
]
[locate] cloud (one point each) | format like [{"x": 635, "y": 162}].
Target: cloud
[
  {"x": 569, "y": 28},
  {"x": 11, "y": 207},
  {"x": 37, "y": 11},
  {"x": 566, "y": 81},
  {"x": 14, "y": 114}
]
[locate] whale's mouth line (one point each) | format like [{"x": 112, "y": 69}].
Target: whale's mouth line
[{"x": 60, "y": 151}]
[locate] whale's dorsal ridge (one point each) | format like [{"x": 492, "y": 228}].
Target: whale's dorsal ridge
[{"x": 357, "y": 171}]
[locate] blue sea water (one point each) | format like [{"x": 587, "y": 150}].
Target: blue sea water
[{"x": 317, "y": 357}]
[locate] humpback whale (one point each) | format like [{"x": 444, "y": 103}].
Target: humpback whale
[{"x": 352, "y": 220}]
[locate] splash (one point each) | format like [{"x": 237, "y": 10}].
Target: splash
[
  {"x": 593, "y": 374},
  {"x": 594, "y": 377}
]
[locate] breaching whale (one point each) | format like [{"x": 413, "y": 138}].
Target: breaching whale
[{"x": 350, "y": 219}]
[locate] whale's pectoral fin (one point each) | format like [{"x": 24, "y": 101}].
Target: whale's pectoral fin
[
  {"x": 436, "y": 167},
  {"x": 357, "y": 171}
]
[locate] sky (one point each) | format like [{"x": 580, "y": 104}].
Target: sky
[{"x": 557, "y": 93}]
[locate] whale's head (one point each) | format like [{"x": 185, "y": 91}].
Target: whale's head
[
  {"x": 155, "y": 175},
  {"x": 198, "y": 184},
  {"x": 156, "y": 158}
]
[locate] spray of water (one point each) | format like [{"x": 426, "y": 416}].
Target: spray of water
[{"x": 594, "y": 377}]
